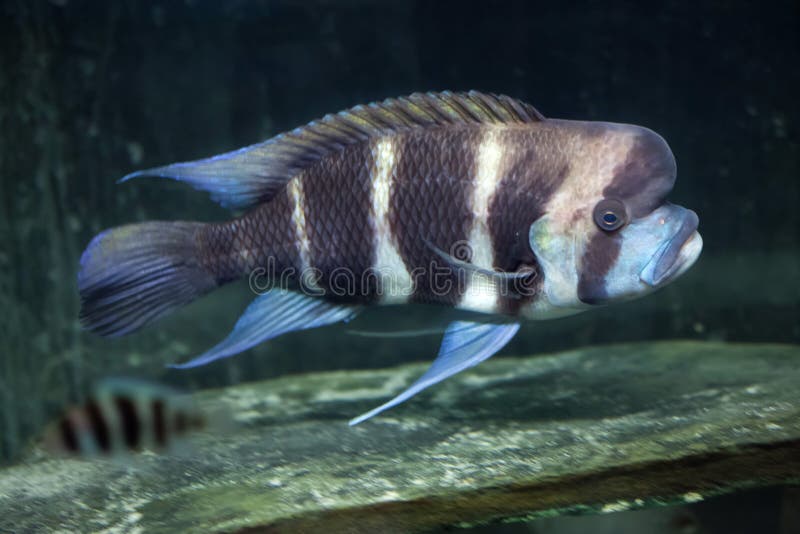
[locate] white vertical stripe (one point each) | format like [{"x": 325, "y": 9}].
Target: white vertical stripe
[
  {"x": 396, "y": 283},
  {"x": 481, "y": 293},
  {"x": 295, "y": 189}
]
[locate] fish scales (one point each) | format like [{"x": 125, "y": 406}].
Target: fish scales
[
  {"x": 430, "y": 200},
  {"x": 431, "y": 194},
  {"x": 394, "y": 278},
  {"x": 339, "y": 224},
  {"x": 263, "y": 238}
]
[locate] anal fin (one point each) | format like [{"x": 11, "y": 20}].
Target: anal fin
[{"x": 491, "y": 274}]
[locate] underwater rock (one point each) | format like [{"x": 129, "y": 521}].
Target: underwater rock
[{"x": 599, "y": 429}]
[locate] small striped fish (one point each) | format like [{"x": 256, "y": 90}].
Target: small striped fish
[
  {"x": 467, "y": 200},
  {"x": 122, "y": 416}
]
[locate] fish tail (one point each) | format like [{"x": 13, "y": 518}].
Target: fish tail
[{"x": 133, "y": 274}]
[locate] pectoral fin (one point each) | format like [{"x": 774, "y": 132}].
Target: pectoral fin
[
  {"x": 270, "y": 315},
  {"x": 491, "y": 274},
  {"x": 396, "y": 334},
  {"x": 465, "y": 344}
]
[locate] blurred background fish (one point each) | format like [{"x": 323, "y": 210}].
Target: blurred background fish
[{"x": 125, "y": 415}]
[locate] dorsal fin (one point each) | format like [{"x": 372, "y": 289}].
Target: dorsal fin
[{"x": 250, "y": 175}]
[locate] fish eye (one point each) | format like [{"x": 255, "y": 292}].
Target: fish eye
[{"x": 609, "y": 214}]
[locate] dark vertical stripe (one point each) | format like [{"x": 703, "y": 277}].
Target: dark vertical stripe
[
  {"x": 430, "y": 200},
  {"x": 600, "y": 254},
  {"x": 99, "y": 427},
  {"x": 68, "y": 437},
  {"x": 527, "y": 186},
  {"x": 646, "y": 175},
  {"x": 338, "y": 197},
  {"x": 263, "y": 238},
  {"x": 159, "y": 423},
  {"x": 129, "y": 419}
]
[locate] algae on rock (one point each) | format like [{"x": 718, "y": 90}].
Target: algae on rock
[{"x": 593, "y": 430}]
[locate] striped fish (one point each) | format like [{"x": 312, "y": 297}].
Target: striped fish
[
  {"x": 467, "y": 200},
  {"x": 124, "y": 415}
]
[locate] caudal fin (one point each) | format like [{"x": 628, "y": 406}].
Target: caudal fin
[{"x": 133, "y": 274}]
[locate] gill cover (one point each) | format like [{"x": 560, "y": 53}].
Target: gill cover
[{"x": 558, "y": 256}]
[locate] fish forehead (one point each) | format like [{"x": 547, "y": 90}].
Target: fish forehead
[
  {"x": 647, "y": 174},
  {"x": 597, "y": 152}
]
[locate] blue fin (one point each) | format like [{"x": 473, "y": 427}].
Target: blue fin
[
  {"x": 134, "y": 274},
  {"x": 270, "y": 315},
  {"x": 238, "y": 179},
  {"x": 465, "y": 344}
]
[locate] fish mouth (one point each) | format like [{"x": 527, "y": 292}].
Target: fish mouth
[{"x": 675, "y": 256}]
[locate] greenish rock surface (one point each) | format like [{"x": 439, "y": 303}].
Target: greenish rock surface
[{"x": 594, "y": 430}]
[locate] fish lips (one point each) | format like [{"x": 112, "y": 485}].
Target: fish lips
[{"x": 676, "y": 254}]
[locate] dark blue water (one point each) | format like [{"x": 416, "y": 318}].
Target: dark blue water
[{"x": 90, "y": 91}]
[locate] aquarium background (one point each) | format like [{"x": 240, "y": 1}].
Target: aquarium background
[{"x": 90, "y": 91}]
